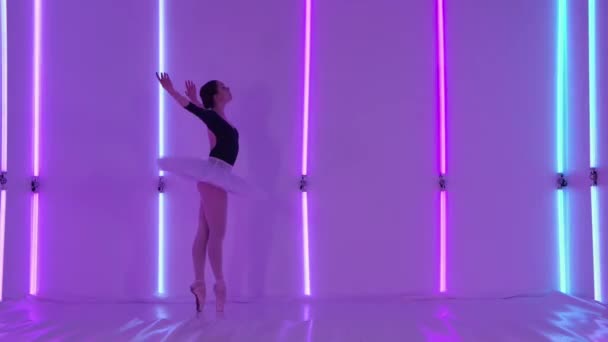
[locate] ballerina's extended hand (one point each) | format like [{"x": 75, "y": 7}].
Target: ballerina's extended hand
[
  {"x": 165, "y": 81},
  {"x": 167, "y": 84},
  {"x": 191, "y": 93}
]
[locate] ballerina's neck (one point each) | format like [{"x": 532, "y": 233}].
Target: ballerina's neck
[{"x": 220, "y": 111}]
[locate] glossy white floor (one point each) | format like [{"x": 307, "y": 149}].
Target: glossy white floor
[{"x": 550, "y": 317}]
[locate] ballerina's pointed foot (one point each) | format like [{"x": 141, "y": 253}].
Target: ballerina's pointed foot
[
  {"x": 220, "y": 295},
  {"x": 198, "y": 290}
]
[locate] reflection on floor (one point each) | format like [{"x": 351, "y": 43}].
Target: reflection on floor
[{"x": 550, "y": 317}]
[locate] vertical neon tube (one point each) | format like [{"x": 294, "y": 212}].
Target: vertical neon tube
[
  {"x": 3, "y": 162},
  {"x": 597, "y": 254},
  {"x": 563, "y": 269},
  {"x": 592, "y": 22},
  {"x": 442, "y": 246},
  {"x": 161, "y": 271},
  {"x": 36, "y": 146},
  {"x": 442, "y": 92},
  {"x": 4, "y": 23},
  {"x": 2, "y": 235},
  {"x": 305, "y": 234},
  {"x": 561, "y": 137},
  {"x": 442, "y": 146},
  {"x": 595, "y": 224}
]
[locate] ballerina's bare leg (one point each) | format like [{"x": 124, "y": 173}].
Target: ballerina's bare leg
[{"x": 215, "y": 211}]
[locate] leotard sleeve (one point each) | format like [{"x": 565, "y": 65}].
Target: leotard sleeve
[{"x": 209, "y": 117}]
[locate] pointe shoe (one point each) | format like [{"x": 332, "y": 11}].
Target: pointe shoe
[
  {"x": 220, "y": 295},
  {"x": 198, "y": 290}
]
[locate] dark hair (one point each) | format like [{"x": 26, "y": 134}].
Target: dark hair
[{"x": 207, "y": 92}]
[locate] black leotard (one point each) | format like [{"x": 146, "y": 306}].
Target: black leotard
[{"x": 226, "y": 137}]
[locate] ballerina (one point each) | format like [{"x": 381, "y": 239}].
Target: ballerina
[{"x": 214, "y": 179}]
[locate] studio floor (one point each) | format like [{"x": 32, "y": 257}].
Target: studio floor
[{"x": 547, "y": 317}]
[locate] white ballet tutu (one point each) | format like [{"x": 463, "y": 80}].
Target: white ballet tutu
[{"x": 213, "y": 171}]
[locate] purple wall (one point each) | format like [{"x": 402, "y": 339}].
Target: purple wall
[
  {"x": 373, "y": 198},
  {"x": 501, "y": 146},
  {"x": 20, "y": 76},
  {"x": 98, "y": 146},
  {"x": 374, "y": 210},
  {"x": 258, "y": 55}
]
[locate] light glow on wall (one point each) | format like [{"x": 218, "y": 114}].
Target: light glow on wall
[
  {"x": 161, "y": 262},
  {"x": 593, "y": 130},
  {"x": 4, "y": 143},
  {"x": 442, "y": 145},
  {"x": 561, "y": 147},
  {"x": 34, "y": 246},
  {"x": 306, "y": 104}
]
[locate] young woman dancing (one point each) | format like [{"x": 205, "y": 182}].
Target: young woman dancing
[{"x": 213, "y": 177}]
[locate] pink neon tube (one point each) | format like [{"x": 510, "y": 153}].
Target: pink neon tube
[
  {"x": 442, "y": 146},
  {"x": 36, "y": 146},
  {"x": 3, "y": 162},
  {"x": 305, "y": 229}
]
